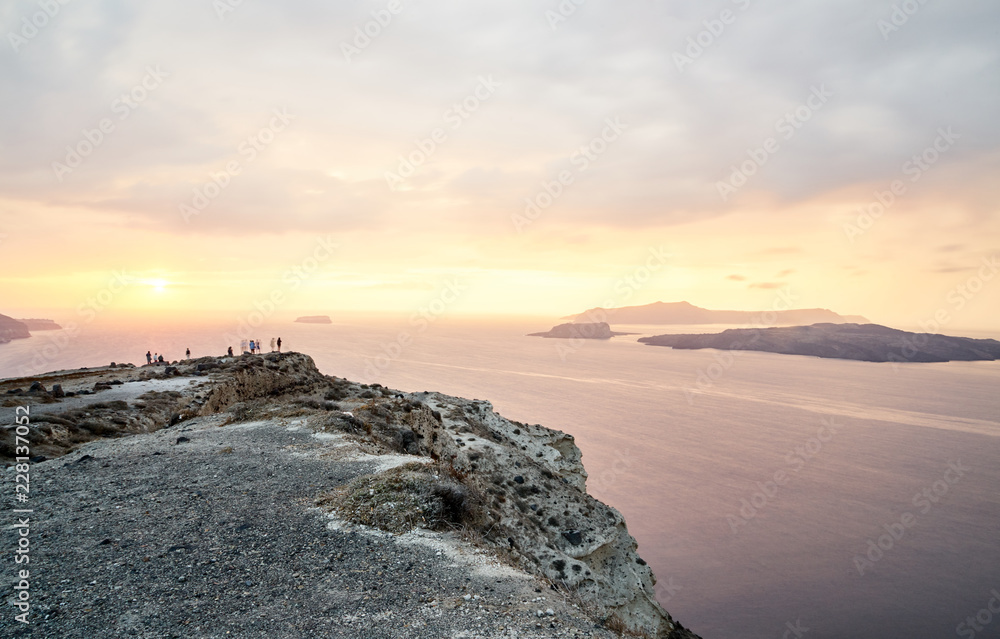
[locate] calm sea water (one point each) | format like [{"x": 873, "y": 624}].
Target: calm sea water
[{"x": 768, "y": 492}]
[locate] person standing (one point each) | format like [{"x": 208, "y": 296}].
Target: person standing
[
  {"x": 230, "y": 351},
  {"x": 251, "y": 347},
  {"x": 272, "y": 344},
  {"x": 279, "y": 344},
  {"x": 149, "y": 358},
  {"x": 187, "y": 354}
]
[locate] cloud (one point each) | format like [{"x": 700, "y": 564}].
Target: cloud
[
  {"x": 736, "y": 278},
  {"x": 687, "y": 129},
  {"x": 782, "y": 250},
  {"x": 768, "y": 285},
  {"x": 953, "y": 269}
]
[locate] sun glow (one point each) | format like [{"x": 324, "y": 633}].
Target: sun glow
[{"x": 159, "y": 285}]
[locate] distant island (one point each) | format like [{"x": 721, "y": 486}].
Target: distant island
[
  {"x": 40, "y": 324},
  {"x": 11, "y": 329},
  {"x": 591, "y": 330},
  {"x": 314, "y": 319},
  {"x": 687, "y": 313},
  {"x": 863, "y": 342}
]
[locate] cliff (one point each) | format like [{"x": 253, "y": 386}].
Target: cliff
[
  {"x": 230, "y": 449},
  {"x": 10, "y": 329},
  {"x": 865, "y": 342},
  {"x": 686, "y": 313}
]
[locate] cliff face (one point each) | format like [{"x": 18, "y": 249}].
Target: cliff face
[
  {"x": 520, "y": 488},
  {"x": 534, "y": 489},
  {"x": 10, "y": 329}
]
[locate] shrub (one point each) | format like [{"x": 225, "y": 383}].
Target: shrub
[{"x": 414, "y": 495}]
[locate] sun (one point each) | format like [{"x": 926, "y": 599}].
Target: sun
[{"x": 159, "y": 285}]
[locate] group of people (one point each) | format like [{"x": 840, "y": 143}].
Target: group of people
[
  {"x": 256, "y": 347},
  {"x": 157, "y": 358},
  {"x": 252, "y": 346}
]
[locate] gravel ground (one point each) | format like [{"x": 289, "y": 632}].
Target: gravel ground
[{"x": 206, "y": 531}]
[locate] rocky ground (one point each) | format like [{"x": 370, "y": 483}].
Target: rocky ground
[{"x": 255, "y": 497}]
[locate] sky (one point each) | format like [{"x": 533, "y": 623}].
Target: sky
[{"x": 500, "y": 158}]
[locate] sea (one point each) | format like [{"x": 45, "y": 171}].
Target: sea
[{"x": 774, "y": 496}]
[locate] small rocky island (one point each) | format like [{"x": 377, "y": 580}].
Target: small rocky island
[
  {"x": 864, "y": 342},
  {"x": 583, "y": 330},
  {"x": 254, "y": 496},
  {"x": 314, "y": 319}
]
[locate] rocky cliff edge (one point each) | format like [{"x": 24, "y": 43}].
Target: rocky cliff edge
[{"x": 519, "y": 490}]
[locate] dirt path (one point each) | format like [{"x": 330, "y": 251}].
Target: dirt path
[{"x": 206, "y": 531}]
